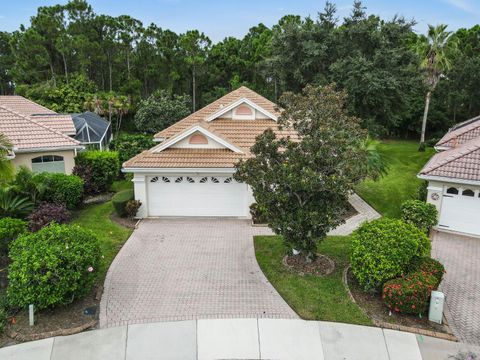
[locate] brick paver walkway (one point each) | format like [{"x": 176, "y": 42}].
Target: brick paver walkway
[
  {"x": 461, "y": 284},
  {"x": 179, "y": 269}
]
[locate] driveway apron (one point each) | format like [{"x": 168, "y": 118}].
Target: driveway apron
[{"x": 181, "y": 269}]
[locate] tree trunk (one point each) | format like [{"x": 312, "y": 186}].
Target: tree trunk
[
  {"x": 110, "y": 74},
  {"x": 128, "y": 65},
  {"x": 53, "y": 75},
  {"x": 424, "y": 121},
  {"x": 193, "y": 88},
  {"x": 65, "y": 67}
]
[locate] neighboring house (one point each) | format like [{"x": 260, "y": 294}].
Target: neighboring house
[
  {"x": 92, "y": 130},
  {"x": 190, "y": 172},
  {"x": 454, "y": 178},
  {"x": 46, "y": 141}
]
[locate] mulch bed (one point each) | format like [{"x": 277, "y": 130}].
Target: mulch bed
[
  {"x": 374, "y": 307},
  {"x": 63, "y": 320},
  {"x": 124, "y": 221},
  {"x": 321, "y": 266}
]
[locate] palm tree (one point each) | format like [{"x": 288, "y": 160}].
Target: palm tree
[
  {"x": 436, "y": 52},
  {"x": 6, "y": 167}
]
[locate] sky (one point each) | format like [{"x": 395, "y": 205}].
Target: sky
[{"x": 221, "y": 18}]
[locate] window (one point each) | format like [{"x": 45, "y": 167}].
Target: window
[
  {"x": 179, "y": 179},
  {"x": 154, "y": 179},
  {"x": 215, "y": 180},
  {"x": 228, "y": 180},
  {"x": 203, "y": 180},
  {"x": 243, "y": 110},
  {"x": 48, "y": 163},
  {"x": 198, "y": 139},
  {"x": 165, "y": 179},
  {"x": 468, "y": 192},
  {"x": 452, "y": 190},
  {"x": 190, "y": 180}
]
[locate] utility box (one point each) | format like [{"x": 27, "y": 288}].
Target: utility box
[{"x": 437, "y": 300}]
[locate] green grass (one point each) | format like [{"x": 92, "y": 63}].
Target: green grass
[
  {"x": 121, "y": 185},
  {"x": 312, "y": 297},
  {"x": 401, "y": 183},
  {"x": 112, "y": 236}
]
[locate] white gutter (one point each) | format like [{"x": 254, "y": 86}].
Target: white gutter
[
  {"x": 179, "y": 170},
  {"x": 449, "y": 180},
  {"x": 31, "y": 150}
]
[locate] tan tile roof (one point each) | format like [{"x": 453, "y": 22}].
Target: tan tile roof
[
  {"x": 27, "y": 134},
  {"x": 462, "y": 162},
  {"x": 23, "y": 105},
  {"x": 460, "y": 135},
  {"x": 241, "y": 133},
  {"x": 60, "y": 122}
]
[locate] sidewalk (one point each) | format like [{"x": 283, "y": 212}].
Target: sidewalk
[{"x": 238, "y": 339}]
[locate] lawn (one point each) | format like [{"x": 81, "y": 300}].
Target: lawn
[
  {"x": 401, "y": 182},
  {"x": 112, "y": 236},
  {"x": 312, "y": 297}
]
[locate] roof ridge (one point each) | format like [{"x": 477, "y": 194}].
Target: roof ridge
[
  {"x": 458, "y": 154},
  {"x": 451, "y": 134},
  {"x": 28, "y": 118}
]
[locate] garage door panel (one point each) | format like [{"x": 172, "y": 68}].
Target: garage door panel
[
  {"x": 191, "y": 196},
  {"x": 460, "y": 213}
]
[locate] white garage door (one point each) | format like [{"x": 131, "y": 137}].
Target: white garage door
[
  {"x": 189, "y": 195},
  {"x": 461, "y": 210}
]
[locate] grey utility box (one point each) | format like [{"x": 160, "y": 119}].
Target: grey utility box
[{"x": 437, "y": 300}]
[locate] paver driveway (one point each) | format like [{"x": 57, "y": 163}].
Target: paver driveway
[
  {"x": 179, "y": 269},
  {"x": 461, "y": 284}
]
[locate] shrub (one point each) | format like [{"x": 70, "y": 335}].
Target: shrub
[
  {"x": 430, "y": 266},
  {"x": 382, "y": 250},
  {"x": 422, "y": 191},
  {"x": 258, "y": 214},
  {"x": 128, "y": 145},
  {"x": 61, "y": 189},
  {"x": 131, "y": 208},
  {"x": 101, "y": 168},
  {"x": 120, "y": 200},
  {"x": 10, "y": 229},
  {"x": 47, "y": 213},
  {"x": 12, "y": 205},
  {"x": 86, "y": 174},
  {"x": 409, "y": 294},
  {"x": 419, "y": 213},
  {"x": 3, "y": 318},
  {"x": 53, "y": 266}
]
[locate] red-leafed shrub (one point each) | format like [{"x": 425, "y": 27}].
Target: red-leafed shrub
[
  {"x": 409, "y": 294},
  {"x": 47, "y": 213}
]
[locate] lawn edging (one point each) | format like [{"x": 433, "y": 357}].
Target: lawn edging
[{"x": 384, "y": 325}]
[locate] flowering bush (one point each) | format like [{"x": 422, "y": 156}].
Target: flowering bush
[
  {"x": 429, "y": 266},
  {"x": 53, "y": 266},
  {"x": 419, "y": 213},
  {"x": 46, "y": 213},
  {"x": 383, "y": 249},
  {"x": 409, "y": 294},
  {"x": 10, "y": 229}
]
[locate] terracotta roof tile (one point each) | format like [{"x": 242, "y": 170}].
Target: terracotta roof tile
[
  {"x": 23, "y": 105},
  {"x": 241, "y": 133},
  {"x": 27, "y": 134},
  {"x": 461, "y": 134},
  {"x": 462, "y": 162},
  {"x": 60, "y": 122}
]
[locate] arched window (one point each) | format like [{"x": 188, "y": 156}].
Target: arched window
[
  {"x": 198, "y": 139},
  {"x": 203, "y": 180},
  {"x": 190, "y": 180},
  {"x": 228, "y": 180},
  {"x": 215, "y": 180},
  {"x": 165, "y": 179},
  {"x": 468, "y": 192},
  {"x": 48, "y": 163},
  {"x": 452, "y": 190},
  {"x": 154, "y": 179},
  {"x": 179, "y": 179}
]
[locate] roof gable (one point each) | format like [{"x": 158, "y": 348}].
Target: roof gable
[
  {"x": 460, "y": 134},
  {"x": 225, "y": 109}
]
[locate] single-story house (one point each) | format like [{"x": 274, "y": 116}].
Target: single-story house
[
  {"x": 44, "y": 140},
  {"x": 189, "y": 173},
  {"x": 453, "y": 176},
  {"x": 36, "y": 144}
]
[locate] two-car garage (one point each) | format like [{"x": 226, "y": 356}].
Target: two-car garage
[{"x": 196, "y": 195}]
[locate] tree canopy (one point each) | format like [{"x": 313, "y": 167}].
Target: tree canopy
[{"x": 69, "y": 52}]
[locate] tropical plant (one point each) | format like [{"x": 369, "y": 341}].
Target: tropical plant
[
  {"x": 303, "y": 185},
  {"x": 376, "y": 163},
  {"x": 131, "y": 208},
  {"x": 436, "y": 51},
  {"x": 47, "y": 213},
  {"x": 12, "y": 205},
  {"x": 6, "y": 167}
]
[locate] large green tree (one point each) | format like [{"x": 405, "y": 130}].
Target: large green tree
[{"x": 303, "y": 185}]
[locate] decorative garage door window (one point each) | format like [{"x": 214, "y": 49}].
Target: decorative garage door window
[
  {"x": 48, "y": 163},
  {"x": 179, "y": 179},
  {"x": 468, "y": 192},
  {"x": 193, "y": 179},
  {"x": 452, "y": 191},
  {"x": 155, "y": 179},
  {"x": 165, "y": 179},
  {"x": 215, "y": 180},
  {"x": 203, "y": 180}
]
